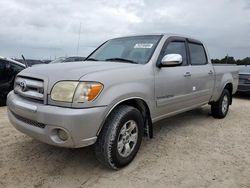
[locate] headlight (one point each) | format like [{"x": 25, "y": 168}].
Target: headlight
[
  {"x": 64, "y": 91},
  {"x": 76, "y": 92},
  {"x": 87, "y": 91}
]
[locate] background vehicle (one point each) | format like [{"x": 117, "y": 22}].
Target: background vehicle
[
  {"x": 244, "y": 79},
  {"x": 114, "y": 97},
  {"x": 58, "y": 60},
  {"x": 67, "y": 59},
  {"x": 8, "y": 71},
  {"x": 74, "y": 59},
  {"x": 31, "y": 62}
]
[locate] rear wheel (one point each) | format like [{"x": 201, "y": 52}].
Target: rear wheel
[
  {"x": 120, "y": 138},
  {"x": 220, "y": 108}
]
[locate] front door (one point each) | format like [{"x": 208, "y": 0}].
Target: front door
[{"x": 172, "y": 83}]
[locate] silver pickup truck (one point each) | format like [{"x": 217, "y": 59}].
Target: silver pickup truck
[{"x": 113, "y": 98}]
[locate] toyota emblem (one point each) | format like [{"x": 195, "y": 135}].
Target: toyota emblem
[{"x": 23, "y": 85}]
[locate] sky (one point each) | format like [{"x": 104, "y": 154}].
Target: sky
[{"x": 45, "y": 29}]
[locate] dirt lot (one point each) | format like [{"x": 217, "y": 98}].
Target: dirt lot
[{"x": 189, "y": 150}]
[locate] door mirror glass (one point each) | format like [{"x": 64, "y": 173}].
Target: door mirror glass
[{"x": 171, "y": 59}]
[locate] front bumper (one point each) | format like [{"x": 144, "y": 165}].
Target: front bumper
[
  {"x": 243, "y": 88},
  {"x": 42, "y": 122}
]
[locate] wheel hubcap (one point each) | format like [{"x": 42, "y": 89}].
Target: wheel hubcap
[
  {"x": 224, "y": 104},
  {"x": 127, "y": 138}
]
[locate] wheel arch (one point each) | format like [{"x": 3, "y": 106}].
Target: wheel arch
[
  {"x": 229, "y": 87},
  {"x": 217, "y": 93},
  {"x": 139, "y": 104}
]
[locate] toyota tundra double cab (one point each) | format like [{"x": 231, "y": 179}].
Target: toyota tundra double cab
[{"x": 113, "y": 98}]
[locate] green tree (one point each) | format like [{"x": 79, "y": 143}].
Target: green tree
[{"x": 231, "y": 60}]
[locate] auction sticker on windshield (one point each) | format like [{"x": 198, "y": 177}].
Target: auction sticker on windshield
[{"x": 143, "y": 45}]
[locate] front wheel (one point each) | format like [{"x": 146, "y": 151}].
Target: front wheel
[
  {"x": 220, "y": 108},
  {"x": 120, "y": 138}
]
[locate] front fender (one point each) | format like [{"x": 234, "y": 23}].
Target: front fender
[
  {"x": 125, "y": 91},
  {"x": 118, "y": 94}
]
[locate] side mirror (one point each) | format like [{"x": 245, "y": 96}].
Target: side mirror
[{"x": 171, "y": 60}]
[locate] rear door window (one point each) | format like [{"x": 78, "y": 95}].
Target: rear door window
[{"x": 197, "y": 54}]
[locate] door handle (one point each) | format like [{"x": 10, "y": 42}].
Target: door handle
[
  {"x": 187, "y": 74},
  {"x": 210, "y": 72}
]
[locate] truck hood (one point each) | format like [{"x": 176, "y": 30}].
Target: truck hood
[
  {"x": 53, "y": 73},
  {"x": 71, "y": 70}
]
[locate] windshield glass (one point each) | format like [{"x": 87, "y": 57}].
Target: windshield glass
[{"x": 137, "y": 49}]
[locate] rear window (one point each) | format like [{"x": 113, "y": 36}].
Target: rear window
[{"x": 197, "y": 54}]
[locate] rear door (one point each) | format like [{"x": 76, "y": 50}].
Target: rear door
[
  {"x": 202, "y": 73},
  {"x": 171, "y": 82}
]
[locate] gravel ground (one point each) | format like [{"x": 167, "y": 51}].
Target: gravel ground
[{"x": 189, "y": 150}]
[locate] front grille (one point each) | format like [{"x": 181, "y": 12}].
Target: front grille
[
  {"x": 241, "y": 81},
  {"x": 244, "y": 78},
  {"x": 30, "y": 88},
  {"x": 243, "y": 88},
  {"x": 29, "y": 122}
]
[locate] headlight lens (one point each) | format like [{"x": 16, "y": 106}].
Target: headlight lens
[
  {"x": 87, "y": 91},
  {"x": 64, "y": 91},
  {"x": 76, "y": 92}
]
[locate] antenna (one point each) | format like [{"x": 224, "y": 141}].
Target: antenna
[
  {"x": 79, "y": 37},
  {"x": 25, "y": 62}
]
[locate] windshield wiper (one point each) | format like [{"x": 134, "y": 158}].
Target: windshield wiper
[
  {"x": 91, "y": 59},
  {"x": 121, "y": 59}
]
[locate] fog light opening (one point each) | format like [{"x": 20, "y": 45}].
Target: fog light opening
[{"x": 62, "y": 134}]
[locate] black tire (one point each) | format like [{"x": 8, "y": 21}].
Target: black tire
[
  {"x": 220, "y": 109},
  {"x": 106, "y": 147}
]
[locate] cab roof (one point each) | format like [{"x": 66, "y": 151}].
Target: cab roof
[{"x": 191, "y": 39}]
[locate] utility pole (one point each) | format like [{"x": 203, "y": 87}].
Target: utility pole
[{"x": 79, "y": 37}]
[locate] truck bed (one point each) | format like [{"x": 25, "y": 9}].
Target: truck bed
[{"x": 224, "y": 73}]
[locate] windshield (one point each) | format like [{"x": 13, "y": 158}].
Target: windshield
[{"x": 137, "y": 49}]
